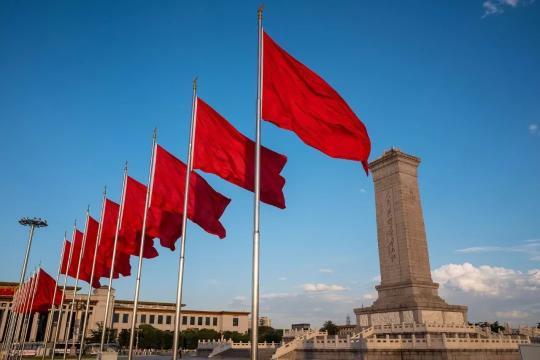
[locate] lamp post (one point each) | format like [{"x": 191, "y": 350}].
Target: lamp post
[{"x": 33, "y": 223}]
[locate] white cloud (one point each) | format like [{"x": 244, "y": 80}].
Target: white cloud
[
  {"x": 327, "y": 271},
  {"x": 322, "y": 287},
  {"x": 277, "y": 295},
  {"x": 491, "y": 292},
  {"x": 493, "y": 7},
  {"x": 282, "y": 278},
  {"x": 512, "y": 314},
  {"x": 362, "y": 190},
  {"x": 485, "y": 280},
  {"x": 531, "y": 248},
  {"x": 370, "y": 296},
  {"x": 534, "y": 129}
]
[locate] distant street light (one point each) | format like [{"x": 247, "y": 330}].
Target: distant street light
[{"x": 33, "y": 223}]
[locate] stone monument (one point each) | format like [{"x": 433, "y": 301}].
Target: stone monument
[{"x": 407, "y": 293}]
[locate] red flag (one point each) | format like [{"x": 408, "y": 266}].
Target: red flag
[
  {"x": 45, "y": 292},
  {"x": 65, "y": 257},
  {"x": 297, "y": 99},
  {"x": 106, "y": 245},
  {"x": 205, "y": 205},
  {"x": 222, "y": 150},
  {"x": 87, "y": 259},
  {"x": 76, "y": 242},
  {"x": 132, "y": 219}
]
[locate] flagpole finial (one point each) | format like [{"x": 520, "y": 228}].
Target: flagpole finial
[
  {"x": 65, "y": 234},
  {"x": 105, "y": 190},
  {"x": 126, "y": 165},
  {"x": 195, "y": 83},
  {"x": 155, "y": 134},
  {"x": 87, "y": 209},
  {"x": 75, "y": 223},
  {"x": 260, "y": 11}
]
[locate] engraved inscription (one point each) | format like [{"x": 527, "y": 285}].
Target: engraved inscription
[{"x": 389, "y": 230}]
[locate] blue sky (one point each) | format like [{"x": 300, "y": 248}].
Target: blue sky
[{"x": 456, "y": 83}]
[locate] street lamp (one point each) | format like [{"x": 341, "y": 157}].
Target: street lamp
[{"x": 33, "y": 223}]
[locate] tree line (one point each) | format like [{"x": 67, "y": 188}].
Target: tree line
[{"x": 148, "y": 337}]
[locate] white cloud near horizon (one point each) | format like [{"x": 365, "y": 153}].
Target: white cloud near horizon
[
  {"x": 322, "y": 287},
  {"x": 326, "y": 271},
  {"x": 534, "y": 129},
  {"x": 492, "y": 292}
]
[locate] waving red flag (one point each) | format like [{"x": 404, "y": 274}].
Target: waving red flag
[
  {"x": 297, "y": 99},
  {"x": 106, "y": 245},
  {"x": 205, "y": 205},
  {"x": 76, "y": 242},
  {"x": 222, "y": 150},
  {"x": 45, "y": 290},
  {"x": 132, "y": 218},
  {"x": 65, "y": 258},
  {"x": 87, "y": 260}
]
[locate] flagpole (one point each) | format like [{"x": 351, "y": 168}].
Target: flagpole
[
  {"x": 21, "y": 334},
  {"x": 13, "y": 319},
  {"x": 180, "y": 285},
  {"x": 61, "y": 307},
  {"x": 256, "y": 206},
  {"x": 14, "y": 303},
  {"x": 16, "y": 335},
  {"x": 111, "y": 274},
  {"x": 29, "y": 318},
  {"x": 73, "y": 300},
  {"x": 50, "y": 318},
  {"x": 141, "y": 249},
  {"x": 96, "y": 246}
]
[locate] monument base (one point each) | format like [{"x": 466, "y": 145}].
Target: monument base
[{"x": 448, "y": 314}]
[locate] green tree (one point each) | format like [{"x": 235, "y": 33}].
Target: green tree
[
  {"x": 123, "y": 338},
  {"x": 330, "y": 327},
  {"x": 495, "y": 327},
  {"x": 269, "y": 334},
  {"x": 235, "y": 336},
  {"x": 95, "y": 335}
]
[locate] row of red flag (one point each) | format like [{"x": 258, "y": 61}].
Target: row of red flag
[
  {"x": 36, "y": 294},
  {"x": 294, "y": 98}
]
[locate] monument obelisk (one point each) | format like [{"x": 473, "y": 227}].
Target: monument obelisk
[{"x": 407, "y": 293}]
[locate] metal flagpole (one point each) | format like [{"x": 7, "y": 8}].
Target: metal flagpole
[
  {"x": 29, "y": 317},
  {"x": 13, "y": 318},
  {"x": 17, "y": 327},
  {"x": 21, "y": 336},
  {"x": 96, "y": 246},
  {"x": 256, "y": 205},
  {"x": 73, "y": 300},
  {"x": 61, "y": 307},
  {"x": 141, "y": 249},
  {"x": 191, "y": 148},
  {"x": 50, "y": 318},
  {"x": 111, "y": 274},
  {"x": 14, "y": 303}
]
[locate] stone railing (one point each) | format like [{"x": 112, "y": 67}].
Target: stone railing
[
  {"x": 424, "y": 327},
  {"x": 427, "y": 342},
  {"x": 297, "y": 343},
  {"x": 212, "y": 344}
]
